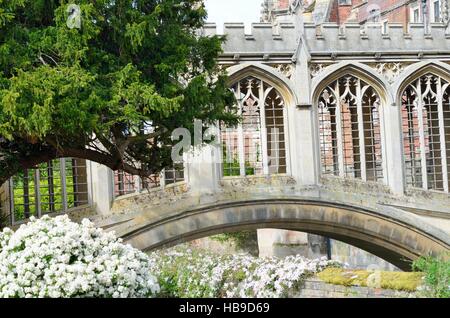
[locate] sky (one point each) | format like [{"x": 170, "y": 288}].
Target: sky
[{"x": 220, "y": 11}]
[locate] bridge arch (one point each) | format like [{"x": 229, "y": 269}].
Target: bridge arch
[{"x": 387, "y": 233}]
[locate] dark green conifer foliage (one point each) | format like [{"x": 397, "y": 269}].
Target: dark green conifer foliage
[{"x": 89, "y": 92}]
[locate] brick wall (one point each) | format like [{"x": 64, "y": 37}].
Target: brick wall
[
  {"x": 281, "y": 4},
  {"x": 334, "y": 13},
  {"x": 344, "y": 11},
  {"x": 395, "y": 11}
]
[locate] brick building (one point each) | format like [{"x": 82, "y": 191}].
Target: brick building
[{"x": 361, "y": 11}]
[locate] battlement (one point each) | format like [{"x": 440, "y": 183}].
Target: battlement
[
  {"x": 263, "y": 38},
  {"x": 372, "y": 37}
]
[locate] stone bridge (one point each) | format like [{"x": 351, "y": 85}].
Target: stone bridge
[
  {"x": 365, "y": 217},
  {"x": 361, "y": 151},
  {"x": 380, "y": 186}
]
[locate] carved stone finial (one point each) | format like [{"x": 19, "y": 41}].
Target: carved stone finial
[
  {"x": 267, "y": 11},
  {"x": 293, "y": 5}
]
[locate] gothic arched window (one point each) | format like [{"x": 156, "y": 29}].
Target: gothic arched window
[
  {"x": 257, "y": 146},
  {"x": 426, "y": 132},
  {"x": 350, "y": 130}
]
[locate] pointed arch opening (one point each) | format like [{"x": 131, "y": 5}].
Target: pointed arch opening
[
  {"x": 350, "y": 128},
  {"x": 258, "y": 145},
  {"x": 425, "y": 109}
]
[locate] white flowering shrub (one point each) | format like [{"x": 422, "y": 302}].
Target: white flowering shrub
[
  {"x": 183, "y": 272},
  {"x": 54, "y": 257}
]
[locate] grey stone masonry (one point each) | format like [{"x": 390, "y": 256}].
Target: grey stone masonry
[
  {"x": 264, "y": 37},
  {"x": 329, "y": 37},
  {"x": 315, "y": 288},
  {"x": 285, "y": 37}
]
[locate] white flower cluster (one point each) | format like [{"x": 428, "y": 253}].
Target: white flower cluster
[
  {"x": 189, "y": 273},
  {"x": 54, "y": 257}
]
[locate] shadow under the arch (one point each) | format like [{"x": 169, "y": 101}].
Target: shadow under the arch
[{"x": 382, "y": 234}]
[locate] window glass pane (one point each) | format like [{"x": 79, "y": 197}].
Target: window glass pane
[
  {"x": 43, "y": 190},
  {"x": 350, "y": 130},
  {"x": 24, "y": 195},
  {"x": 423, "y": 111},
  {"x": 243, "y": 147}
]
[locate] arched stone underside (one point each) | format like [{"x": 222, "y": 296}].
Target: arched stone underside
[{"x": 376, "y": 232}]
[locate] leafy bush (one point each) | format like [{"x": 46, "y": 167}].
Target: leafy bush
[
  {"x": 54, "y": 257},
  {"x": 246, "y": 241},
  {"x": 437, "y": 275},
  {"x": 183, "y": 272}
]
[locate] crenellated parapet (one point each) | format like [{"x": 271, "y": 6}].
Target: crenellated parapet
[
  {"x": 264, "y": 38},
  {"x": 373, "y": 38}
]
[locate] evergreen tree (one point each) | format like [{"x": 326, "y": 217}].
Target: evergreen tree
[{"x": 110, "y": 89}]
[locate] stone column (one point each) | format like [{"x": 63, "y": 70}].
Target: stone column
[
  {"x": 282, "y": 243},
  {"x": 393, "y": 143},
  {"x": 303, "y": 153},
  {"x": 302, "y": 125},
  {"x": 101, "y": 189},
  {"x": 317, "y": 246},
  {"x": 203, "y": 169}
]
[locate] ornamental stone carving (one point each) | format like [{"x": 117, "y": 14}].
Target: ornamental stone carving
[
  {"x": 285, "y": 69},
  {"x": 316, "y": 68},
  {"x": 390, "y": 70}
]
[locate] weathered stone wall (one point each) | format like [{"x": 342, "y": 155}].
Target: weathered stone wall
[
  {"x": 357, "y": 258},
  {"x": 315, "y": 288},
  {"x": 281, "y": 243}
]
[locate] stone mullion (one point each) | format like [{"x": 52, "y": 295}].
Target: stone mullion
[
  {"x": 442, "y": 135},
  {"x": 26, "y": 194},
  {"x": 162, "y": 179},
  {"x": 381, "y": 113},
  {"x": 264, "y": 132},
  {"x": 339, "y": 132},
  {"x": 137, "y": 184},
  {"x": 11, "y": 201},
  {"x": 51, "y": 187},
  {"x": 37, "y": 191},
  {"x": 241, "y": 148},
  {"x": 62, "y": 165},
  {"x": 362, "y": 149},
  {"x": 423, "y": 155}
]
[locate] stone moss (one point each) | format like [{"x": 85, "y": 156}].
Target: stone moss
[{"x": 402, "y": 281}]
